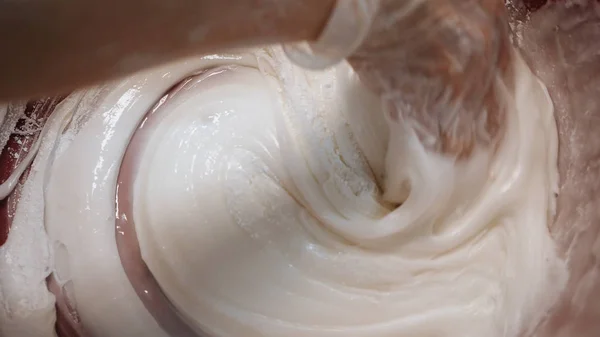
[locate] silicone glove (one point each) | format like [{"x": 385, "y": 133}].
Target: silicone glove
[{"x": 436, "y": 65}]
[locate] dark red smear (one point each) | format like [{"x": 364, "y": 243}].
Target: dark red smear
[
  {"x": 38, "y": 110},
  {"x": 534, "y": 5}
]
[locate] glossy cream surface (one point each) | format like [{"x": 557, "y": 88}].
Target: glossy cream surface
[{"x": 262, "y": 208}]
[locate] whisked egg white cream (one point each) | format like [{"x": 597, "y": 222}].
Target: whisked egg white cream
[{"x": 259, "y": 207}]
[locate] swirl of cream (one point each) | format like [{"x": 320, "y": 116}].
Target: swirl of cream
[{"x": 272, "y": 201}]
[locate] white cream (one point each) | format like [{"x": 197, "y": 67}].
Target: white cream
[
  {"x": 259, "y": 211},
  {"x": 27, "y": 307},
  {"x": 80, "y": 199},
  {"x": 267, "y": 222}
]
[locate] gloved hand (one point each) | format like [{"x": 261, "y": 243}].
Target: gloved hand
[{"x": 436, "y": 65}]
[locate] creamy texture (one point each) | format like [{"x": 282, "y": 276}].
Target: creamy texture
[
  {"x": 27, "y": 306},
  {"x": 268, "y": 221},
  {"x": 259, "y": 209}
]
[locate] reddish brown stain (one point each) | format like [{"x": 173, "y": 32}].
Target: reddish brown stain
[
  {"x": 38, "y": 110},
  {"x": 534, "y": 5}
]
